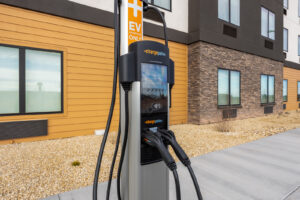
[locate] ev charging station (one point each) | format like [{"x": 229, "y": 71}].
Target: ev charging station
[{"x": 146, "y": 78}]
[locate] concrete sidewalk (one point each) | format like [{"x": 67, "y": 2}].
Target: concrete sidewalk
[{"x": 266, "y": 169}]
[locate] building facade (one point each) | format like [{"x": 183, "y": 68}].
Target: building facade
[
  {"x": 291, "y": 44},
  {"x": 56, "y": 67},
  {"x": 56, "y": 63},
  {"x": 235, "y": 59}
]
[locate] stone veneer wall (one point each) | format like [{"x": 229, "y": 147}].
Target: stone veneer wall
[{"x": 204, "y": 61}]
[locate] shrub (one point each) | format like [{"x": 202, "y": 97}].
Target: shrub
[{"x": 75, "y": 163}]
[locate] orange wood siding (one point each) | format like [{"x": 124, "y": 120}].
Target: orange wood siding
[
  {"x": 88, "y": 70},
  {"x": 292, "y": 75}
]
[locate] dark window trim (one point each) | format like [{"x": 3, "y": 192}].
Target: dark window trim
[
  {"x": 229, "y": 81},
  {"x": 287, "y": 92},
  {"x": 268, "y": 103},
  {"x": 229, "y": 17},
  {"x": 287, "y": 42},
  {"x": 298, "y": 99},
  {"x": 22, "y": 81},
  {"x": 268, "y": 24},
  {"x": 170, "y": 10}
]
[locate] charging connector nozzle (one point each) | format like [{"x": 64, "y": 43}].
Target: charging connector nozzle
[
  {"x": 170, "y": 138},
  {"x": 154, "y": 139}
]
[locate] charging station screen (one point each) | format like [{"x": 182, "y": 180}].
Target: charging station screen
[{"x": 154, "y": 88}]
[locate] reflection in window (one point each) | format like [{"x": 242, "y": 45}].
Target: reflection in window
[
  {"x": 285, "y": 39},
  {"x": 285, "y": 90},
  {"x": 223, "y": 87},
  {"x": 166, "y": 4},
  {"x": 229, "y": 10},
  {"x": 264, "y": 89},
  {"x": 267, "y": 89},
  {"x": 9, "y": 80},
  {"x": 43, "y": 81},
  {"x": 228, "y": 87},
  {"x": 298, "y": 45},
  {"x": 163, "y": 4},
  {"x": 267, "y": 23},
  {"x": 286, "y": 4},
  {"x": 234, "y": 87},
  {"x": 235, "y": 12}
]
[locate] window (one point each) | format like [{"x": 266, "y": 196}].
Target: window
[
  {"x": 298, "y": 90},
  {"x": 30, "y": 81},
  {"x": 267, "y": 89},
  {"x": 267, "y": 24},
  {"x": 299, "y": 8},
  {"x": 228, "y": 87},
  {"x": 229, "y": 11},
  {"x": 9, "y": 80},
  {"x": 286, "y": 4},
  {"x": 285, "y": 39},
  {"x": 165, "y": 4},
  {"x": 285, "y": 90},
  {"x": 298, "y": 45}
]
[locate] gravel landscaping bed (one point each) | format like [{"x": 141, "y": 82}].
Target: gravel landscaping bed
[{"x": 39, "y": 169}]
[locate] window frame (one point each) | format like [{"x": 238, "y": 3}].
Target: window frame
[
  {"x": 153, "y": 4},
  {"x": 287, "y": 91},
  {"x": 268, "y": 24},
  {"x": 287, "y": 41},
  {"x": 298, "y": 99},
  {"x": 229, "y": 88},
  {"x": 229, "y": 14},
  {"x": 268, "y": 103},
  {"x": 22, "y": 80}
]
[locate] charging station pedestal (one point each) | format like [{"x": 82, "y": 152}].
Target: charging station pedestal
[{"x": 150, "y": 71}]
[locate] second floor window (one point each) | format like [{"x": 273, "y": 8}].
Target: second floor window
[
  {"x": 285, "y": 39},
  {"x": 229, "y": 11},
  {"x": 267, "y": 23},
  {"x": 267, "y": 89},
  {"x": 285, "y": 90},
  {"x": 165, "y": 4}
]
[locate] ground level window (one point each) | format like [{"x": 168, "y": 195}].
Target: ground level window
[
  {"x": 267, "y": 89},
  {"x": 228, "y": 87},
  {"x": 9, "y": 80},
  {"x": 298, "y": 90},
  {"x": 30, "y": 81},
  {"x": 285, "y": 90}
]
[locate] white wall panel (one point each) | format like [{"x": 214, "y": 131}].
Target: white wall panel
[
  {"x": 291, "y": 21},
  {"x": 176, "y": 19}
]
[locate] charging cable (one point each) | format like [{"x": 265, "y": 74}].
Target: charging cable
[
  {"x": 113, "y": 100},
  {"x": 170, "y": 138},
  {"x": 154, "y": 139}
]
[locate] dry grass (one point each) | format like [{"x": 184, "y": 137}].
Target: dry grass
[{"x": 40, "y": 169}]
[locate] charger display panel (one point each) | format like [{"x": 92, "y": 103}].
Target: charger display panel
[{"x": 154, "y": 88}]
